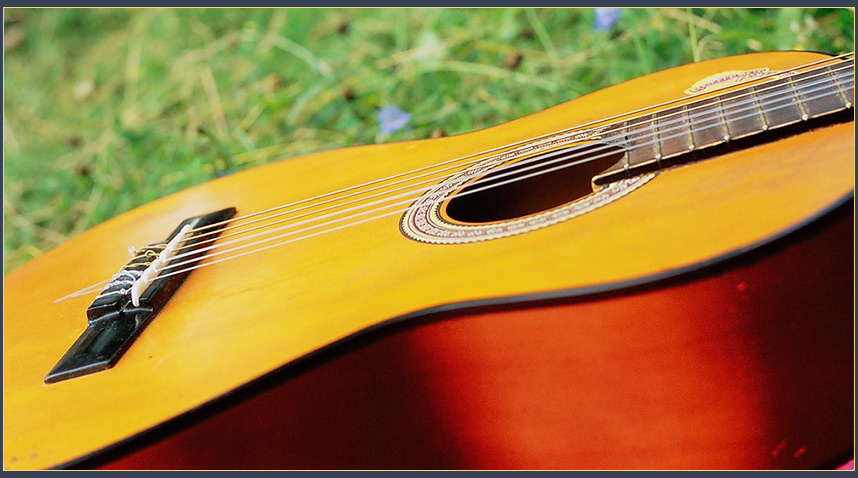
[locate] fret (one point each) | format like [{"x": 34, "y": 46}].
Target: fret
[
  {"x": 849, "y": 90},
  {"x": 741, "y": 114},
  {"x": 845, "y": 87},
  {"x": 708, "y": 126},
  {"x": 753, "y": 94},
  {"x": 671, "y": 133},
  {"x": 616, "y": 135},
  {"x": 687, "y": 134},
  {"x": 804, "y": 115},
  {"x": 639, "y": 139},
  {"x": 818, "y": 93},
  {"x": 674, "y": 135},
  {"x": 779, "y": 103},
  {"x": 643, "y": 142}
]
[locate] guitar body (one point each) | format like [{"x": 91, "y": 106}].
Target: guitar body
[
  {"x": 702, "y": 320},
  {"x": 743, "y": 366}
]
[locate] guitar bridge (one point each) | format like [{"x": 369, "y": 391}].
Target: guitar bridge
[{"x": 118, "y": 315}]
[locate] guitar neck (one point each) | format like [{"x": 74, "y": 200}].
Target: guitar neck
[{"x": 675, "y": 132}]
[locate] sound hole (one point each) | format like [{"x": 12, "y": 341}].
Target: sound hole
[{"x": 515, "y": 189}]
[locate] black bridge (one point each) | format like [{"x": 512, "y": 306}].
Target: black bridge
[{"x": 114, "y": 321}]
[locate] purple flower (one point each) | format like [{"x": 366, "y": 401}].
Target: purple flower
[
  {"x": 605, "y": 18},
  {"x": 391, "y": 119}
]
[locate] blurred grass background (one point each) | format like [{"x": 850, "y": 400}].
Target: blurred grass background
[{"x": 107, "y": 109}]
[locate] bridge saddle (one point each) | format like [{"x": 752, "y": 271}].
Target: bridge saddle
[{"x": 135, "y": 295}]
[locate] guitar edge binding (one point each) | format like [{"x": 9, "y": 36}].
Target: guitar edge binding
[{"x": 114, "y": 322}]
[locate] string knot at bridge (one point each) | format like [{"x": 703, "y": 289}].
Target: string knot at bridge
[{"x": 136, "y": 294}]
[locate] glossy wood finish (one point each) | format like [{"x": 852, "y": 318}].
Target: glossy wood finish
[
  {"x": 238, "y": 320},
  {"x": 744, "y": 366},
  {"x": 727, "y": 114}
]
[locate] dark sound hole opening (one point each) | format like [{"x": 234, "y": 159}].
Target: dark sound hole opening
[{"x": 523, "y": 197}]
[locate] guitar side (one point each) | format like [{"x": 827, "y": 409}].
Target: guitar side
[
  {"x": 744, "y": 365},
  {"x": 238, "y": 320}
]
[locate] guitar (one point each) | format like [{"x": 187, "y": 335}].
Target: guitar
[{"x": 657, "y": 275}]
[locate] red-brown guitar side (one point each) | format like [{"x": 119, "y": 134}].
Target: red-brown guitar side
[{"x": 740, "y": 366}]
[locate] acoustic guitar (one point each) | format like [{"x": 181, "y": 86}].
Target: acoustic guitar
[{"x": 658, "y": 275}]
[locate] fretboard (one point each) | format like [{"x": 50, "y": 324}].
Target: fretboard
[{"x": 664, "y": 137}]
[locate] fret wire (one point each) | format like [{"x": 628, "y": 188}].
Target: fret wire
[
  {"x": 798, "y": 101},
  {"x": 723, "y": 117},
  {"x": 627, "y": 154},
  {"x": 724, "y": 108},
  {"x": 708, "y": 130},
  {"x": 833, "y": 76},
  {"x": 691, "y": 145},
  {"x": 756, "y": 99},
  {"x": 657, "y": 142},
  {"x": 768, "y": 95}
]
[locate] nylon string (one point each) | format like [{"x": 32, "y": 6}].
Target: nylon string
[
  {"x": 663, "y": 126},
  {"x": 522, "y": 142},
  {"x": 680, "y": 118}
]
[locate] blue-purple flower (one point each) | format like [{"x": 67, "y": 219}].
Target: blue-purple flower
[
  {"x": 606, "y": 18},
  {"x": 391, "y": 119}
]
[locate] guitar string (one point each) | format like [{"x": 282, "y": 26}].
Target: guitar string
[
  {"x": 174, "y": 264},
  {"x": 236, "y": 222},
  {"x": 663, "y": 125},
  {"x": 496, "y": 174},
  {"x": 680, "y": 118},
  {"x": 770, "y": 75},
  {"x": 409, "y": 198}
]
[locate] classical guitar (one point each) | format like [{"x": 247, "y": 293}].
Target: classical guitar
[{"x": 657, "y": 275}]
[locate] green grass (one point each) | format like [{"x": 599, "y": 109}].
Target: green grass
[{"x": 108, "y": 109}]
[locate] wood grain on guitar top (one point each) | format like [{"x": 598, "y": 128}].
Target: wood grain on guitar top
[
  {"x": 740, "y": 367},
  {"x": 238, "y": 320}
]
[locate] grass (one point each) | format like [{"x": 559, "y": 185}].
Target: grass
[{"x": 108, "y": 109}]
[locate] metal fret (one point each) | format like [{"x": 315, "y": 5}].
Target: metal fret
[
  {"x": 780, "y": 104},
  {"x": 617, "y": 135},
  {"x": 847, "y": 100},
  {"x": 818, "y": 93},
  {"x": 639, "y": 139},
  {"x": 757, "y": 107},
  {"x": 656, "y": 140},
  {"x": 673, "y": 141},
  {"x": 798, "y": 102},
  {"x": 643, "y": 142},
  {"x": 707, "y": 123},
  {"x": 716, "y": 119},
  {"x": 845, "y": 70},
  {"x": 741, "y": 120}
]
